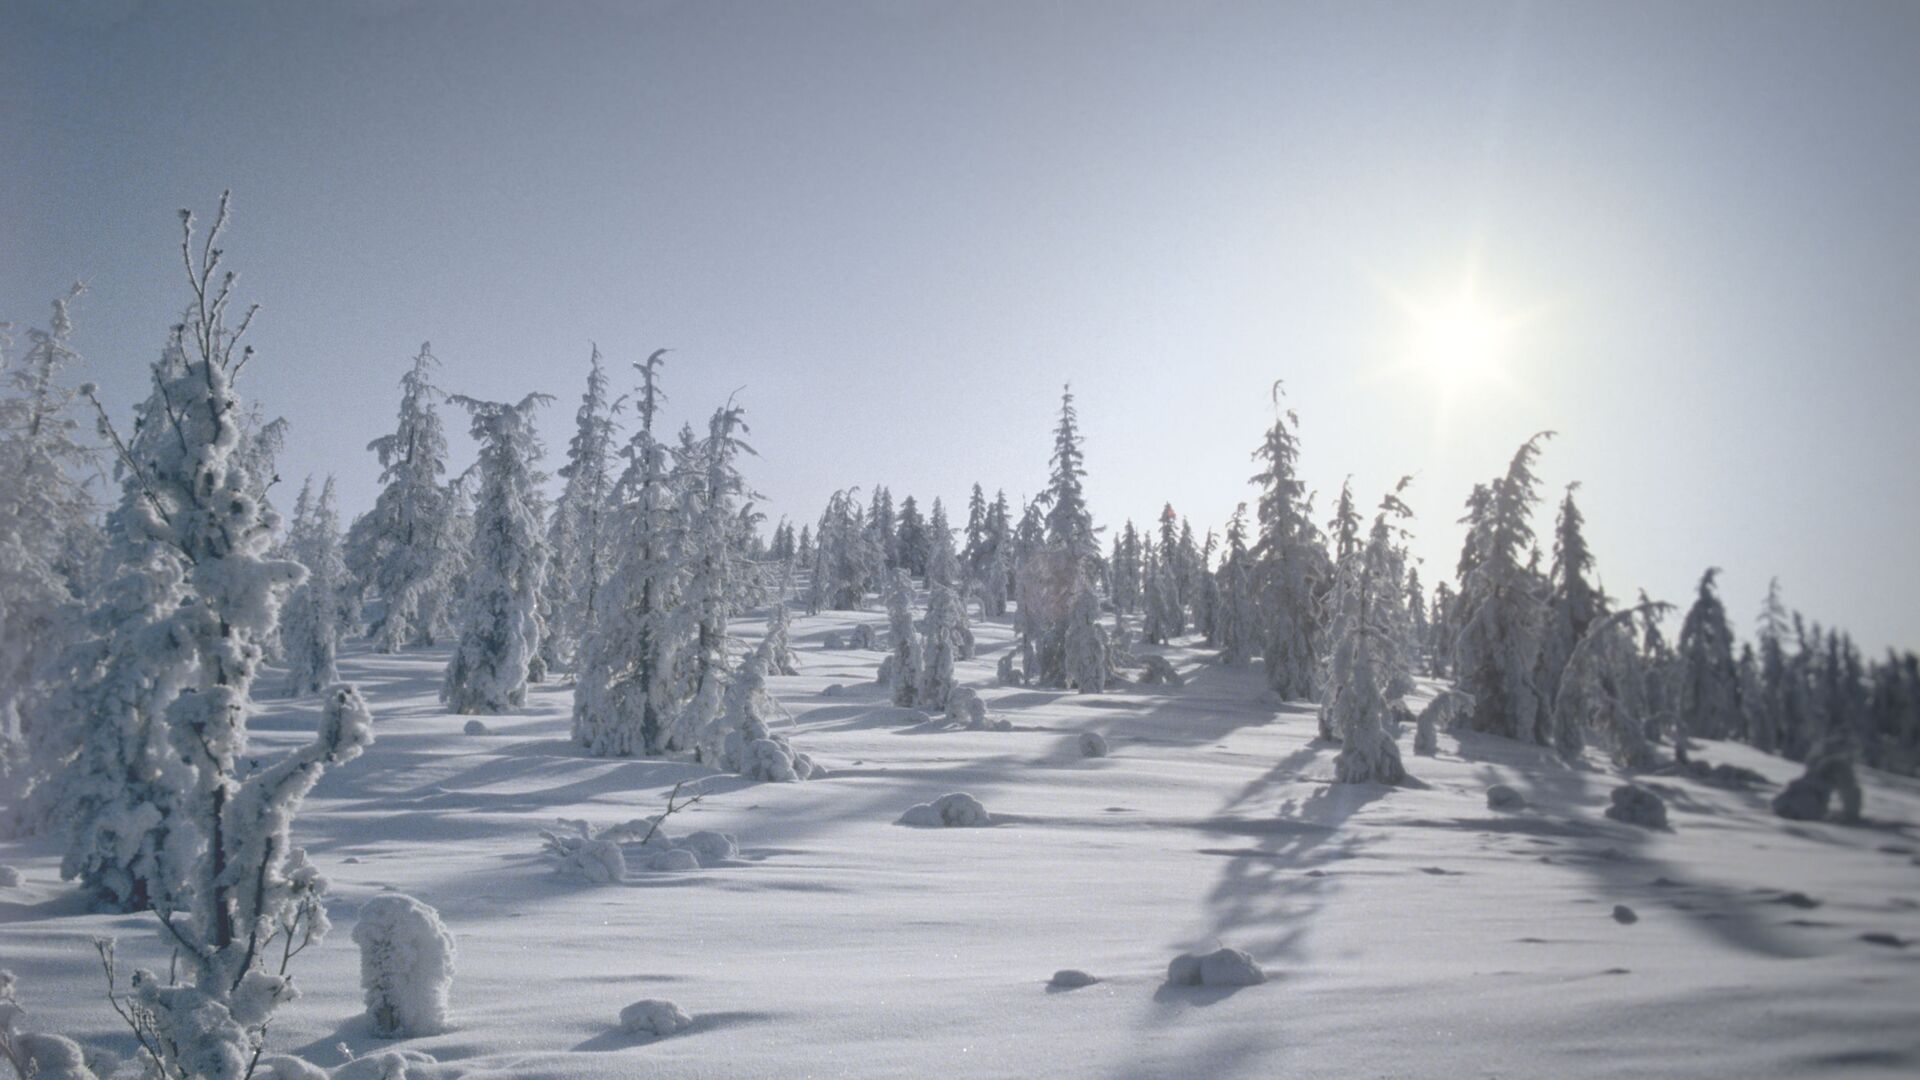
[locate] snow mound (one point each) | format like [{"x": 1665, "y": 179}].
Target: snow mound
[
  {"x": 863, "y": 638},
  {"x": 476, "y": 727},
  {"x": 1399, "y": 715},
  {"x": 1426, "y": 737},
  {"x": 1071, "y": 979},
  {"x": 1636, "y": 805},
  {"x": 1806, "y": 797},
  {"x": 9, "y": 877},
  {"x": 675, "y": 859},
  {"x": 283, "y": 1067},
  {"x": 958, "y": 810},
  {"x": 1222, "y": 967},
  {"x": 1093, "y": 744},
  {"x": 834, "y": 690},
  {"x": 653, "y": 1017},
  {"x": 584, "y": 857},
  {"x": 965, "y": 707},
  {"x": 1160, "y": 673},
  {"x": 1007, "y": 673},
  {"x": 604, "y": 857},
  {"x": 392, "y": 1065},
  {"x": 1624, "y": 915},
  {"x": 1502, "y": 797},
  {"x": 833, "y": 642},
  {"x": 51, "y": 1057},
  {"x": 406, "y": 965}
]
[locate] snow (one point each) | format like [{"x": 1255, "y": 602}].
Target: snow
[
  {"x": 406, "y": 965},
  {"x": 653, "y": 1017},
  {"x": 1405, "y": 931},
  {"x": 957, "y": 810},
  {"x": 1221, "y": 967},
  {"x": 1637, "y": 805}
]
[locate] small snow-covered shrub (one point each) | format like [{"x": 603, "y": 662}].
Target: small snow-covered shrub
[
  {"x": 9, "y": 877},
  {"x": 1448, "y": 711},
  {"x": 958, "y": 810},
  {"x": 1222, "y": 967},
  {"x": 965, "y": 707},
  {"x": 834, "y": 690},
  {"x": 33, "y": 1055},
  {"x": 476, "y": 727},
  {"x": 391, "y": 1065},
  {"x": 833, "y": 642},
  {"x": 1426, "y": 738},
  {"x": 1093, "y": 744},
  {"x": 1399, "y": 715},
  {"x": 653, "y": 1017},
  {"x": 1160, "y": 673},
  {"x": 1502, "y": 797},
  {"x": 1007, "y": 673},
  {"x": 283, "y": 1067},
  {"x": 675, "y": 859},
  {"x": 1624, "y": 915},
  {"x": 1806, "y": 797},
  {"x": 1636, "y": 805},
  {"x": 885, "y": 675},
  {"x": 406, "y": 965},
  {"x": 1071, "y": 979},
  {"x": 862, "y": 638},
  {"x": 583, "y": 856}
]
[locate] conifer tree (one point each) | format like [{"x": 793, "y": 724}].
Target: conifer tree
[
  {"x": 974, "y": 556},
  {"x": 943, "y": 563},
  {"x": 904, "y": 661},
  {"x": 625, "y": 697},
  {"x": 711, "y": 488},
  {"x": 407, "y": 553},
  {"x": 1709, "y": 681},
  {"x": 1573, "y": 603},
  {"x": 1288, "y": 563},
  {"x": 1366, "y": 592},
  {"x": 501, "y": 625},
  {"x": 1498, "y": 648},
  {"x": 941, "y": 646},
  {"x": 1089, "y": 663},
  {"x": 1239, "y": 606},
  {"x": 578, "y": 536},
  {"x": 914, "y": 543},
  {"x": 311, "y": 622},
  {"x": 1769, "y": 712},
  {"x": 1069, "y": 525}
]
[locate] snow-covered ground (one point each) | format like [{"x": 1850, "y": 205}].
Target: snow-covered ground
[{"x": 1409, "y": 931}]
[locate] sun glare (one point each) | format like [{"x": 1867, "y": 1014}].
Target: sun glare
[{"x": 1459, "y": 340}]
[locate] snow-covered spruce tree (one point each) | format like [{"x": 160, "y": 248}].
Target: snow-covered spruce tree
[
  {"x": 1574, "y": 602},
  {"x": 996, "y": 575},
  {"x": 913, "y": 544},
  {"x": 1164, "y": 619},
  {"x": 578, "y": 536},
  {"x": 406, "y": 553},
  {"x": 1288, "y": 564},
  {"x": 238, "y": 899},
  {"x": 1440, "y": 631},
  {"x": 903, "y": 644},
  {"x": 1089, "y": 660},
  {"x": 1239, "y": 606},
  {"x": 940, "y": 647},
  {"x": 1709, "y": 681},
  {"x": 310, "y": 627},
  {"x": 1069, "y": 524},
  {"x": 880, "y": 531},
  {"x": 973, "y": 556},
  {"x": 625, "y": 696},
  {"x": 845, "y": 556},
  {"x": 1499, "y": 644},
  {"x": 500, "y": 625},
  {"x": 1601, "y": 691},
  {"x": 46, "y": 518},
  {"x": 740, "y": 740},
  {"x": 1768, "y": 721},
  {"x": 780, "y": 659},
  {"x": 710, "y": 489},
  {"x": 1419, "y": 627},
  {"x": 943, "y": 562},
  {"x": 1367, "y": 581},
  {"x": 1123, "y": 571}
]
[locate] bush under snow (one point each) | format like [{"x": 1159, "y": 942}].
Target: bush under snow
[
  {"x": 1222, "y": 967},
  {"x": 1636, "y": 805},
  {"x": 1093, "y": 744},
  {"x": 406, "y": 965},
  {"x": 958, "y": 810},
  {"x": 602, "y": 858},
  {"x": 653, "y": 1017}
]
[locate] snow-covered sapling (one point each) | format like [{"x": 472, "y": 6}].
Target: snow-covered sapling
[
  {"x": 779, "y": 645},
  {"x": 406, "y": 965},
  {"x": 903, "y": 674},
  {"x": 36, "y": 1055}
]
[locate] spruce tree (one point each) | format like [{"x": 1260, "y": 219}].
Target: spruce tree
[
  {"x": 501, "y": 627},
  {"x": 1288, "y": 564},
  {"x": 1498, "y": 648},
  {"x": 579, "y": 536},
  {"x": 311, "y": 621},
  {"x": 407, "y": 553},
  {"x": 1709, "y": 681}
]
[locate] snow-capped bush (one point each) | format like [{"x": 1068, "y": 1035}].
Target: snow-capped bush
[
  {"x": 958, "y": 810},
  {"x": 36, "y": 1055},
  {"x": 1008, "y": 673},
  {"x": 1807, "y": 796},
  {"x": 1450, "y": 711},
  {"x": 902, "y": 667},
  {"x": 833, "y": 641},
  {"x": 862, "y": 638},
  {"x": 964, "y": 706},
  {"x": 1159, "y": 672},
  {"x": 476, "y": 727},
  {"x": 1093, "y": 744},
  {"x": 940, "y": 648},
  {"x": 741, "y": 741},
  {"x": 1636, "y": 805},
  {"x": 406, "y": 965},
  {"x": 1071, "y": 979},
  {"x": 653, "y": 1017},
  {"x": 674, "y": 859},
  {"x": 779, "y": 646},
  {"x": 1502, "y": 797},
  {"x": 1222, "y": 967},
  {"x": 583, "y": 856},
  {"x": 9, "y": 877},
  {"x": 1088, "y": 660},
  {"x": 1426, "y": 738}
]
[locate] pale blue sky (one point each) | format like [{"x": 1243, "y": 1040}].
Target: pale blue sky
[{"x": 900, "y": 226}]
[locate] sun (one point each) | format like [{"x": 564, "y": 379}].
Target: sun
[{"x": 1459, "y": 339}]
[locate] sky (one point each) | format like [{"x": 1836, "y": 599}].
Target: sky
[{"x": 898, "y": 228}]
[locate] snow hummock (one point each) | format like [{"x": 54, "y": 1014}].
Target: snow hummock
[
  {"x": 653, "y": 1017},
  {"x": 1222, "y": 967},
  {"x": 476, "y": 726},
  {"x": 1502, "y": 797},
  {"x": 1093, "y": 744},
  {"x": 956, "y": 810},
  {"x": 1071, "y": 979},
  {"x": 1636, "y": 805}
]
